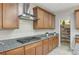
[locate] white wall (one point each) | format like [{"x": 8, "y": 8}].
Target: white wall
[
  {"x": 25, "y": 29},
  {"x": 67, "y": 14}
]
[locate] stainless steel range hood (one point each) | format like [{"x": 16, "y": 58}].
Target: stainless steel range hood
[{"x": 26, "y": 13}]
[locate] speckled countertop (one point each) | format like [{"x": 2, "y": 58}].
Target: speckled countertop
[{"x": 6, "y": 45}]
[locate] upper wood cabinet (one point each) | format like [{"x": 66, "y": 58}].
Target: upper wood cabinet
[
  {"x": 51, "y": 21},
  {"x": 77, "y": 18},
  {"x": 40, "y": 15},
  {"x": 0, "y": 16},
  {"x": 45, "y": 19},
  {"x": 10, "y": 15}
]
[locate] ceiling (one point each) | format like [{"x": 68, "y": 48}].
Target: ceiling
[{"x": 56, "y": 7}]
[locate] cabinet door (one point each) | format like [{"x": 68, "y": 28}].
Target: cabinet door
[
  {"x": 40, "y": 16},
  {"x": 50, "y": 44},
  {"x": 46, "y": 20},
  {"x": 45, "y": 46},
  {"x": 0, "y": 16},
  {"x": 77, "y": 19},
  {"x": 39, "y": 24},
  {"x": 55, "y": 42},
  {"x": 39, "y": 48},
  {"x": 51, "y": 21},
  {"x": 10, "y": 15},
  {"x": 18, "y": 51},
  {"x": 30, "y": 49}
]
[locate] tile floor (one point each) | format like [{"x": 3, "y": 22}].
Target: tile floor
[{"x": 62, "y": 50}]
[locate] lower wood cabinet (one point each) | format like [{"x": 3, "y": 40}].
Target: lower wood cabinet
[
  {"x": 42, "y": 47},
  {"x": 2, "y": 53},
  {"x": 17, "y": 51},
  {"x": 50, "y": 44},
  {"x": 55, "y": 42},
  {"x": 45, "y": 46},
  {"x": 34, "y": 49},
  {"x": 39, "y": 48},
  {"x": 30, "y": 49}
]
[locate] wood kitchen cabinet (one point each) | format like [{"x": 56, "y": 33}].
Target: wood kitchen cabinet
[
  {"x": 30, "y": 51},
  {"x": 0, "y": 15},
  {"x": 34, "y": 49},
  {"x": 77, "y": 18},
  {"x": 51, "y": 21},
  {"x": 10, "y": 15},
  {"x": 17, "y": 51},
  {"x": 55, "y": 41},
  {"x": 45, "y": 46},
  {"x": 39, "y": 48},
  {"x": 40, "y": 15},
  {"x": 45, "y": 19},
  {"x": 50, "y": 44},
  {"x": 2, "y": 53}
]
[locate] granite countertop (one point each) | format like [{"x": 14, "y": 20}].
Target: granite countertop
[{"x": 6, "y": 45}]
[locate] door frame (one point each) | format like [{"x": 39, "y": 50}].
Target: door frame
[{"x": 60, "y": 33}]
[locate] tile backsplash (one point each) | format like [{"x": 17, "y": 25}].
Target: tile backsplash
[{"x": 25, "y": 29}]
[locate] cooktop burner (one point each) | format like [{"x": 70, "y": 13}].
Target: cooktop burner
[{"x": 29, "y": 39}]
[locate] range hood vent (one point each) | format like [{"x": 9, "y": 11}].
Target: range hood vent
[{"x": 26, "y": 13}]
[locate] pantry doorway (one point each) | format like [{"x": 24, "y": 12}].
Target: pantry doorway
[{"x": 65, "y": 33}]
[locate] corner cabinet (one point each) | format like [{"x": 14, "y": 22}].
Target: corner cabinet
[
  {"x": 45, "y": 19},
  {"x": 77, "y": 19},
  {"x": 9, "y": 15}
]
